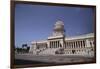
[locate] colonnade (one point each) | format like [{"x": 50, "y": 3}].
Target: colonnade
[
  {"x": 71, "y": 47},
  {"x": 55, "y": 44},
  {"x": 79, "y": 47},
  {"x": 68, "y": 44},
  {"x": 91, "y": 42},
  {"x": 75, "y": 44},
  {"x": 71, "y": 44}
]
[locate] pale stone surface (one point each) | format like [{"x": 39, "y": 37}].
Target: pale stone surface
[
  {"x": 82, "y": 45},
  {"x": 54, "y": 58}
]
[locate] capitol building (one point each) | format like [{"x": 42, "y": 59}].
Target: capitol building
[{"x": 59, "y": 44}]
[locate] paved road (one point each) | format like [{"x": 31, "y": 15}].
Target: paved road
[{"x": 54, "y": 58}]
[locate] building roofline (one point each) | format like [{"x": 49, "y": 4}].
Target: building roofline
[{"x": 80, "y": 36}]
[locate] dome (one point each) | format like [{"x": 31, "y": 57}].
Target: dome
[
  {"x": 58, "y": 28},
  {"x": 59, "y": 25},
  {"x": 59, "y": 22}
]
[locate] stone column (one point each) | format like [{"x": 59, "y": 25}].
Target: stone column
[
  {"x": 92, "y": 43},
  {"x": 80, "y": 44},
  {"x": 72, "y": 45},
  {"x": 57, "y": 44},
  {"x": 87, "y": 43},
  {"x": 76, "y": 44},
  {"x": 67, "y": 45},
  {"x": 54, "y": 44},
  {"x": 83, "y": 43},
  {"x": 50, "y": 44}
]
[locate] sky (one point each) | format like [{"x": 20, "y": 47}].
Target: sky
[{"x": 36, "y": 22}]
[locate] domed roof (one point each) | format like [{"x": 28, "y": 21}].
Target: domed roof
[
  {"x": 58, "y": 28},
  {"x": 59, "y": 25},
  {"x": 59, "y": 22}
]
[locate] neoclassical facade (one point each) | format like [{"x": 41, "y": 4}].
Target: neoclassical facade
[{"x": 59, "y": 44}]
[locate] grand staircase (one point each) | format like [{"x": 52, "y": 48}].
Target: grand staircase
[{"x": 48, "y": 51}]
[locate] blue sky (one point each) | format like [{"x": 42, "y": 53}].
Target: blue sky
[{"x": 36, "y": 22}]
